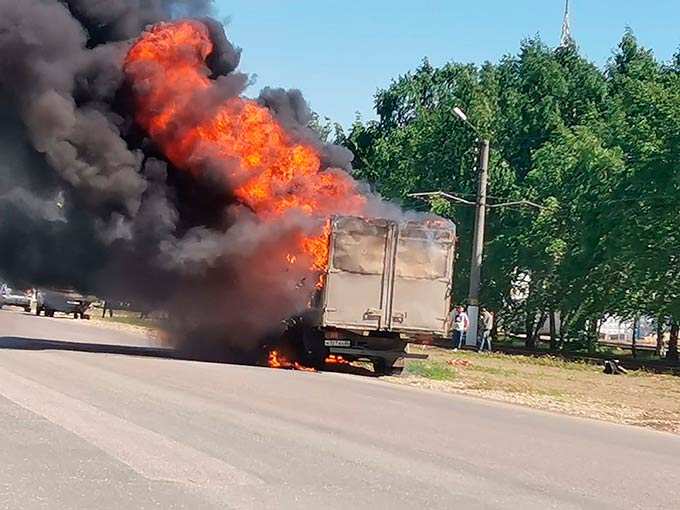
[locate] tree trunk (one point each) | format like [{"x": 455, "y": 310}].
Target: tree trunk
[
  {"x": 564, "y": 328},
  {"x": 672, "y": 354},
  {"x": 530, "y": 340},
  {"x": 553, "y": 330},
  {"x": 592, "y": 335},
  {"x": 537, "y": 329},
  {"x": 659, "y": 335},
  {"x": 634, "y": 341}
]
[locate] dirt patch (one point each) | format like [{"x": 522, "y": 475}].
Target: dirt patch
[
  {"x": 579, "y": 389},
  {"x": 150, "y": 329}
]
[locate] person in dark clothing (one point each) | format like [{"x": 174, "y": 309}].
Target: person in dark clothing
[{"x": 485, "y": 325}]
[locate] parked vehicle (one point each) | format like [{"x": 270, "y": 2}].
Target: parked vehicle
[
  {"x": 387, "y": 284},
  {"x": 12, "y": 297},
  {"x": 64, "y": 301}
]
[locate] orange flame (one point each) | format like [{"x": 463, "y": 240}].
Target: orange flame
[
  {"x": 270, "y": 172},
  {"x": 335, "y": 359},
  {"x": 277, "y": 360}
]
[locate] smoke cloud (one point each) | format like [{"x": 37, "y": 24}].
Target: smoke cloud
[
  {"x": 88, "y": 200},
  {"x": 125, "y": 19}
]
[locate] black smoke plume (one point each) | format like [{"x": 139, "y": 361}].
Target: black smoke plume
[{"x": 87, "y": 201}]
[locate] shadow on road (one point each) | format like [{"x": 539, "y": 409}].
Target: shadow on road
[{"x": 40, "y": 344}]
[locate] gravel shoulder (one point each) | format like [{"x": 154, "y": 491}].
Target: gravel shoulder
[{"x": 575, "y": 388}]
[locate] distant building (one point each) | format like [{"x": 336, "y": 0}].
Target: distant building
[{"x": 615, "y": 329}]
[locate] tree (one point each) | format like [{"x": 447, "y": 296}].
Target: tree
[
  {"x": 599, "y": 148},
  {"x": 645, "y": 104},
  {"x": 327, "y": 130}
]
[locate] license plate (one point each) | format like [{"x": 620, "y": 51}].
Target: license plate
[{"x": 337, "y": 343}]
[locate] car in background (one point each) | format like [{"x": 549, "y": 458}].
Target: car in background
[
  {"x": 63, "y": 301},
  {"x": 11, "y": 297}
]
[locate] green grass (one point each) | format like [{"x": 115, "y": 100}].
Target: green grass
[
  {"x": 576, "y": 348},
  {"x": 521, "y": 359},
  {"x": 432, "y": 370},
  {"x": 552, "y": 362}
]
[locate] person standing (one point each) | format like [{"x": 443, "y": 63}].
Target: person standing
[
  {"x": 107, "y": 306},
  {"x": 486, "y": 323},
  {"x": 460, "y": 323}
]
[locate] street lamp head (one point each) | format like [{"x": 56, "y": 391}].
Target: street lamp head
[
  {"x": 463, "y": 116},
  {"x": 460, "y": 113}
]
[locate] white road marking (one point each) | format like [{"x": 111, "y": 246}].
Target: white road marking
[{"x": 152, "y": 455}]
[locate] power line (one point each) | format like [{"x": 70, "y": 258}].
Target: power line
[{"x": 453, "y": 198}]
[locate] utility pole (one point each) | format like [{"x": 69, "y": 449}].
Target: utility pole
[
  {"x": 480, "y": 206},
  {"x": 478, "y": 243}
]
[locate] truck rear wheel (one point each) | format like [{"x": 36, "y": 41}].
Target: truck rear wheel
[
  {"x": 314, "y": 351},
  {"x": 381, "y": 368}
]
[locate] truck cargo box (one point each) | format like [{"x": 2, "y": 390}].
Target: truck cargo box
[{"x": 387, "y": 276}]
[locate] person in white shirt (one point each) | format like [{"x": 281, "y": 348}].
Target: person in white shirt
[{"x": 459, "y": 321}]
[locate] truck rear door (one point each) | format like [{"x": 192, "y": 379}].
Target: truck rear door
[
  {"x": 422, "y": 279},
  {"x": 357, "y": 289}
]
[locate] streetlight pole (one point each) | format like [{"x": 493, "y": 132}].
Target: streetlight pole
[
  {"x": 478, "y": 237},
  {"x": 478, "y": 243},
  {"x": 480, "y": 206}
]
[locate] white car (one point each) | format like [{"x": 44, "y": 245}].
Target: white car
[{"x": 10, "y": 297}]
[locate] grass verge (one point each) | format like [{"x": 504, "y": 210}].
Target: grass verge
[
  {"x": 436, "y": 371},
  {"x": 571, "y": 387}
]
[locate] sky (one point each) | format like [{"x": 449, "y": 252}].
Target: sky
[{"x": 340, "y": 53}]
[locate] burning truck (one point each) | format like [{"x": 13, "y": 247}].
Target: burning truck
[
  {"x": 177, "y": 190},
  {"x": 377, "y": 283},
  {"x": 386, "y": 284}
]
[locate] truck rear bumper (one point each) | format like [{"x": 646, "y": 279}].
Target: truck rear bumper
[{"x": 371, "y": 353}]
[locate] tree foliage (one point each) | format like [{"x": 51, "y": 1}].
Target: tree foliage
[{"x": 599, "y": 148}]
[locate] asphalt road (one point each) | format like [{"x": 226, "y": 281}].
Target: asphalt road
[{"x": 90, "y": 425}]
